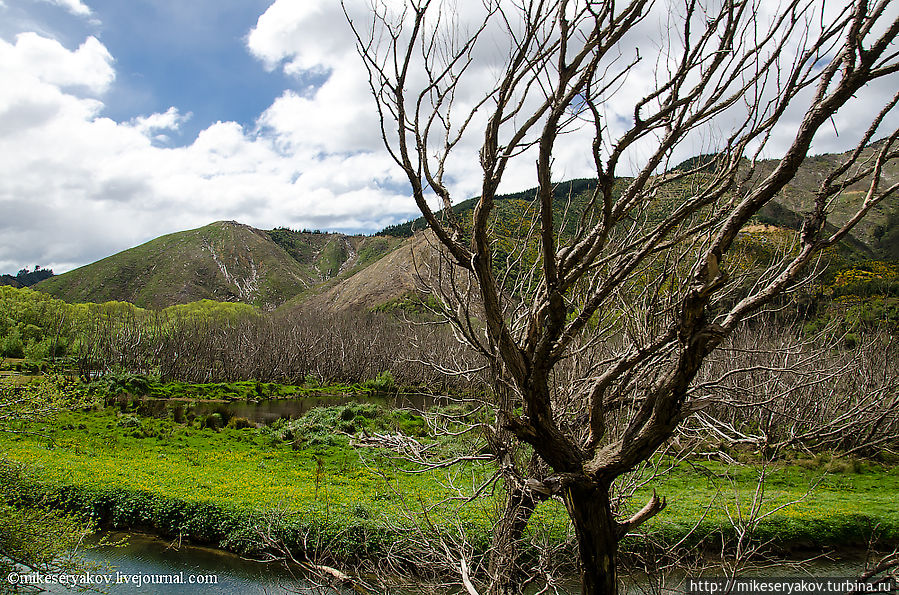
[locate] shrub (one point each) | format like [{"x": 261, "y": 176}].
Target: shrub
[
  {"x": 214, "y": 421},
  {"x": 383, "y": 382},
  {"x": 11, "y": 345},
  {"x": 239, "y": 423},
  {"x": 38, "y": 350}
]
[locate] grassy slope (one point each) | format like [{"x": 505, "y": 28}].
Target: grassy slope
[
  {"x": 261, "y": 268},
  {"x": 187, "y": 266},
  {"x": 160, "y": 462}
]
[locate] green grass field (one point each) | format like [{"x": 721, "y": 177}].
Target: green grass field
[{"x": 217, "y": 485}]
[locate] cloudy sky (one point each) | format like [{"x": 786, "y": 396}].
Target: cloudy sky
[
  {"x": 121, "y": 121},
  {"x": 124, "y": 120}
]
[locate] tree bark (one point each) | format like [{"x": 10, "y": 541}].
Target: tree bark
[
  {"x": 504, "y": 566},
  {"x": 597, "y": 534}
]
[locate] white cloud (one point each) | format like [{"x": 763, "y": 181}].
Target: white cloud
[
  {"x": 46, "y": 60},
  {"x": 75, "y": 186},
  {"x": 154, "y": 125},
  {"x": 76, "y": 7}
]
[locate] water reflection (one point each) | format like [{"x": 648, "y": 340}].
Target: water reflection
[
  {"x": 263, "y": 411},
  {"x": 219, "y": 571}
]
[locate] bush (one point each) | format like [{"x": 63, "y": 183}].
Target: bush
[
  {"x": 382, "y": 383},
  {"x": 37, "y": 351},
  {"x": 118, "y": 383},
  {"x": 11, "y": 345},
  {"x": 239, "y": 423},
  {"x": 214, "y": 421}
]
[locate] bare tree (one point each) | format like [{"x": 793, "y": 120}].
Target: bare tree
[{"x": 649, "y": 259}]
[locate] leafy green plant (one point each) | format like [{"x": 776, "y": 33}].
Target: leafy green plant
[
  {"x": 382, "y": 383},
  {"x": 12, "y": 345}
]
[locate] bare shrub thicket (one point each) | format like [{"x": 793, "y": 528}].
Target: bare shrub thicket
[
  {"x": 280, "y": 347},
  {"x": 771, "y": 389},
  {"x": 768, "y": 387}
]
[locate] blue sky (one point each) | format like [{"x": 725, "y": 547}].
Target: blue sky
[
  {"x": 192, "y": 55},
  {"x": 122, "y": 120}
]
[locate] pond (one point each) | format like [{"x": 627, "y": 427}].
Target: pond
[{"x": 267, "y": 410}]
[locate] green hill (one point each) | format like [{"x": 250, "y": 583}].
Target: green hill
[
  {"x": 877, "y": 235},
  {"x": 223, "y": 261}
]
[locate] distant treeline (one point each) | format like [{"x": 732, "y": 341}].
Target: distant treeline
[
  {"x": 26, "y": 278},
  {"x": 561, "y": 192}
]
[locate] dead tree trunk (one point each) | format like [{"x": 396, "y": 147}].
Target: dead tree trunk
[{"x": 597, "y": 537}]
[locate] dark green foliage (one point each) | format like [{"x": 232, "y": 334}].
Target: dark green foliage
[
  {"x": 383, "y": 383},
  {"x": 326, "y": 256},
  {"x": 705, "y": 163},
  {"x": 26, "y": 278},
  {"x": 12, "y": 345},
  {"x": 125, "y": 382},
  {"x": 295, "y": 243},
  {"x": 561, "y": 192},
  {"x": 410, "y": 304}
]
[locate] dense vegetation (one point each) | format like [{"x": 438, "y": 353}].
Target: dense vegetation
[{"x": 26, "y": 278}]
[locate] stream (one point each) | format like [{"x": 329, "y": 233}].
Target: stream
[
  {"x": 202, "y": 570},
  {"x": 145, "y": 556}
]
